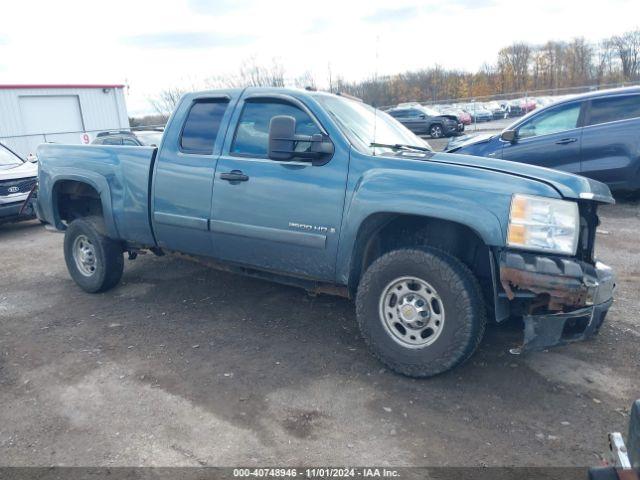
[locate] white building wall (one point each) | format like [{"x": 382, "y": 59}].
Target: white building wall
[{"x": 99, "y": 110}]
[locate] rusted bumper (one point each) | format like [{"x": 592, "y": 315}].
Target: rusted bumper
[{"x": 573, "y": 296}]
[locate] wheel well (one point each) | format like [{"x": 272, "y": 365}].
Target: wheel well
[
  {"x": 384, "y": 232},
  {"x": 73, "y": 199}
]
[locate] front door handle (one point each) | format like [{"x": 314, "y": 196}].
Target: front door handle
[
  {"x": 566, "y": 141},
  {"x": 234, "y": 176}
]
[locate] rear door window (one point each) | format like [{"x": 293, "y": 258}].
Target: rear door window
[
  {"x": 201, "y": 126},
  {"x": 611, "y": 109}
]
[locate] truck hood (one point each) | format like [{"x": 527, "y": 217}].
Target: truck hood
[
  {"x": 567, "y": 184},
  {"x": 25, "y": 170}
]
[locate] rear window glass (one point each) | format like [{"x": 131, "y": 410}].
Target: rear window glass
[
  {"x": 112, "y": 141},
  {"x": 610, "y": 109},
  {"x": 201, "y": 126}
]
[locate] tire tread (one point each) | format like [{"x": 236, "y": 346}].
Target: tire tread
[{"x": 458, "y": 277}]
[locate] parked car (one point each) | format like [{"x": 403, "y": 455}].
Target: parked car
[
  {"x": 478, "y": 112},
  {"x": 594, "y": 134},
  {"x": 496, "y": 110},
  {"x": 426, "y": 121},
  {"x": 462, "y": 116},
  {"x": 544, "y": 101},
  {"x": 130, "y": 138},
  {"x": 324, "y": 192},
  {"x": 513, "y": 108},
  {"x": 17, "y": 179},
  {"x": 528, "y": 104}
]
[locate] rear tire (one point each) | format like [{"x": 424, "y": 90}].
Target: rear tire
[
  {"x": 435, "y": 131},
  {"x": 95, "y": 261},
  {"x": 433, "y": 326}
]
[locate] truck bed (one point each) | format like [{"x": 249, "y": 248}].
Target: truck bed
[{"x": 120, "y": 175}]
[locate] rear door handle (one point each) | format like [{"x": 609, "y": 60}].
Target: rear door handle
[
  {"x": 234, "y": 176},
  {"x": 565, "y": 141}
]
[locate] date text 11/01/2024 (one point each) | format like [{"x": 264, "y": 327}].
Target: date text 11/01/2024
[{"x": 317, "y": 472}]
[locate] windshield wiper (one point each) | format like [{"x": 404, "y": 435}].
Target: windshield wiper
[{"x": 400, "y": 146}]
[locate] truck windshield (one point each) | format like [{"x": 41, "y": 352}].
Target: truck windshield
[
  {"x": 8, "y": 159},
  {"x": 364, "y": 125}
]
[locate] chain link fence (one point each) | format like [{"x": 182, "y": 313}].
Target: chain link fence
[{"x": 494, "y": 112}]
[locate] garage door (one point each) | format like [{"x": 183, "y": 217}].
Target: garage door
[{"x": 51, "y": 114}]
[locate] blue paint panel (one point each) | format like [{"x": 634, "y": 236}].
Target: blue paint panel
[
  {"x": 181, "y": 221},
  {"x": 303, "y": 239},
  {"x": 119, "y": 174}
]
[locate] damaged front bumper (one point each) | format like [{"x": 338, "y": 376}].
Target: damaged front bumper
[{"x": 567, "y": 300}]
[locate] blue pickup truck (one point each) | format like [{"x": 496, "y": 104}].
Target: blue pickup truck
[{"x": 324, "y": 192}]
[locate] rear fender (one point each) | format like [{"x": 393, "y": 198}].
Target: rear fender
[{"x": 94, "y": 180}]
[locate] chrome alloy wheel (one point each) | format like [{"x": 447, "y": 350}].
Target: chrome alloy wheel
[
  {"x": 84, "y": 255},
  {"x": 436, "y": 131},
  {"x": 412, "y": 312}
]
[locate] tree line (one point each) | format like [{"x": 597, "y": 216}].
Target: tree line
[
  {"x": 554, "y": 67},
  {"x": 521, "y": 67}
]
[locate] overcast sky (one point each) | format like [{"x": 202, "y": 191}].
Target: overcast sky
[{"x": 151, "y": 45}]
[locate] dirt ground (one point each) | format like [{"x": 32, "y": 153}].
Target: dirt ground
[{"x": 183, "y": 365}]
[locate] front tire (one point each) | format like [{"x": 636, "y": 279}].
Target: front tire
[
  {"x": 421, "y": 312},
  {"x": 95, "y": 261}
]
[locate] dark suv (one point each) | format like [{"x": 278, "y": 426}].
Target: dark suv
[
  {"x": 426, "y": 121},
  {"x": 130, "y": 138},
  {"x": 594, "y": 134}
]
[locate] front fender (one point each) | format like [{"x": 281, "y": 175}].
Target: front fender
[{"x": 386, "y": 191}]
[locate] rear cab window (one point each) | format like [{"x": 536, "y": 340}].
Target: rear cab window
[
  {"x": 612, "y": 109},
  {"x": 201, "y": 126}
]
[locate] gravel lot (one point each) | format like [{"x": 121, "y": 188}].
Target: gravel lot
[{"x": 183, "y": 365}]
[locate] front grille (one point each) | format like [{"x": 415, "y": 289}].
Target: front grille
[{"x": 20, "y": 185}]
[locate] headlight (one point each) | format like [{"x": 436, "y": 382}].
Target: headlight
[{"x": 546, "y": 224}]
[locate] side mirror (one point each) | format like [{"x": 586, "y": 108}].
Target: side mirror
[
  {"x": 283, "y": 142},
  {"x": 509, "y": 136},
  {"x": 282, "y": 132}
]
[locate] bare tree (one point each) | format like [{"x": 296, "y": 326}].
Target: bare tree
[
  {"x": 167, "y": 100},
  {"x": 627, "y": 47},
  {"x": 251, "y": 74},
  {"x": 578, "y": 59},
  {"x": 604, "y": 64},
  {"x": 513, "y": 61},
  {"x": 306, "y": 80}
]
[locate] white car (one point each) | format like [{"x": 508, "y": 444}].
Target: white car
[{"x": 17, "y": 179}]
